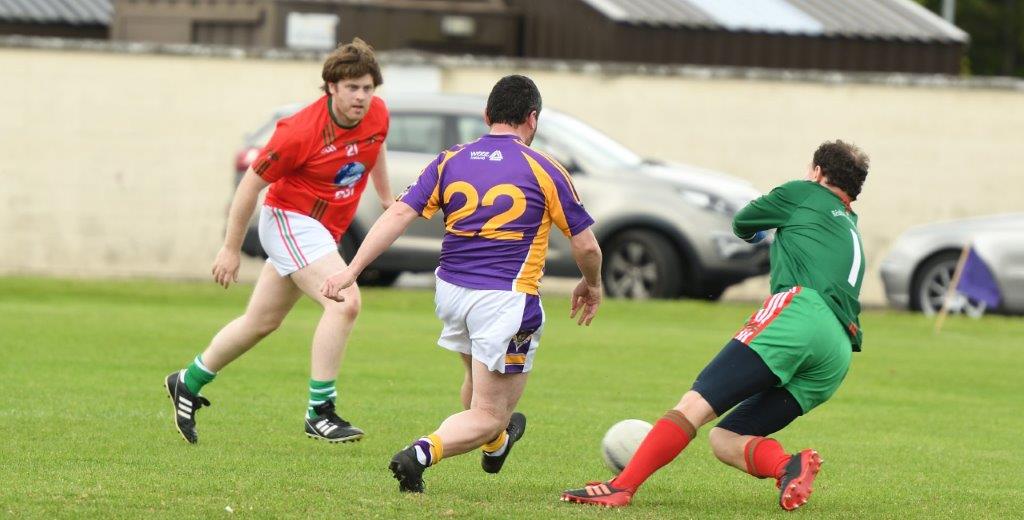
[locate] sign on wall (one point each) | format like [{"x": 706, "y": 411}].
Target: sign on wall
[
  {"x": 411, "y": 78},
  {"x": 314, "y": 31}
]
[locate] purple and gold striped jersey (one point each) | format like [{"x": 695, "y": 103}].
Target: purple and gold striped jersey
[{"x": 499, "y": 198}]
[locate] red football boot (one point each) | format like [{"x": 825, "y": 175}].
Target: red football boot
[
  {"x": 795, "y": 484},
  {"x": 599, "y": 494}
]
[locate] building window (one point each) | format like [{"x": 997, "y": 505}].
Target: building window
[
  {"x": 224, "y": 33},
  {"x": 314, "y": 31}
]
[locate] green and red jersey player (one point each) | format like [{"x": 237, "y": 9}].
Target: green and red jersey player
[{"x": 791, "y": 355}]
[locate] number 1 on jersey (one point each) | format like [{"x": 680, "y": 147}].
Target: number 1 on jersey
[{"x": 855, "y": 269}]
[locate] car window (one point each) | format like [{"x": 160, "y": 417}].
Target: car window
[
  {"x": 418, "y": 133},
  {"x": 470, "y": 128},
  {"x": 569, "y": 137},
  {"x": 542, "y": 143}
]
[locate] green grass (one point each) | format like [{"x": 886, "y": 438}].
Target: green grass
[{"x": 925, "y": 425}]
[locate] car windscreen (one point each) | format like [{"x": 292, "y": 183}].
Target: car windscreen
[
  {"x": 416, "y": 133},
  {"x": 585, "y": 143}
]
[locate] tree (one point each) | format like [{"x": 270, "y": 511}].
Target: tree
[{"x": 996, "y": 28}]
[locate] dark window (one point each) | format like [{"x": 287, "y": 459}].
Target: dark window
[
  {"x": 469, "y": 129},
  {"x": 418, "y": 133},
  {"x": 224, "y": 33}
]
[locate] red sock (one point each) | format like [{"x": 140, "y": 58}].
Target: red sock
[
  {"x": 668, "y": 438},
  {"x": 765, "y": 457}
]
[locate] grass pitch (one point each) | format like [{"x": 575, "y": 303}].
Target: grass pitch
[{"x": 925, "y": 425}]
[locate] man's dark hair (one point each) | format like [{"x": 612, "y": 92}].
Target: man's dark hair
[
  {"x": 512, "y": 99},
  {"x": 845, "y": 165}
]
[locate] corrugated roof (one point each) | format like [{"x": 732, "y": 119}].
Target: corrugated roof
[
  {"x": 74, "y": 12},
  {"x": 884, "y": 19},
  {"x": 759, "y": 16}
]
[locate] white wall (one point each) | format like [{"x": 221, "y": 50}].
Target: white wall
[{"x": 121, "y": 165}]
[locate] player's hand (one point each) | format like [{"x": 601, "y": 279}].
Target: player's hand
[
  {"x": 758, "y": 237},
  {"x": 336, "y": 283},
  {"x": 386, "y": 203},
  {"x": 585, "y": 301},
  {"x": 225, "y": 266}
]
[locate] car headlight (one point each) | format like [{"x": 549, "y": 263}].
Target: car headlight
[
  {"x": 730, "y": 247},
  {"x": 709, "y": 202}
]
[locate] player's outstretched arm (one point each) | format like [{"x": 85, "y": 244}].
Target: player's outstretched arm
[
  {"x": 382, "y": 234},
  {"x": 225, "y": 265},
  {"x": 766, "y": 212},
  {"x": 381, "y": 181},
  {"x": 586, "y": 297}
]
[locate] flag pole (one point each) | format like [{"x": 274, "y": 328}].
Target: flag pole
[{"x": 952, "y": 287}]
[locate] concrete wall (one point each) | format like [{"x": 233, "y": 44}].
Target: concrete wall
[{"x": 117, "y": 164}]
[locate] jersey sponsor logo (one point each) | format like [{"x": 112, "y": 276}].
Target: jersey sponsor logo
[
  {"x": 346, "y": 178},
  {"x": 843, "y": 213},
  {"x": 349, "y": 174},
  {"x": 482, "y": 155}
]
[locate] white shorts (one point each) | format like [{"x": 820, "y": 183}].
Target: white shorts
[
  {"x": 293, "y": 240},
  {"x": 501, "y": 329}
]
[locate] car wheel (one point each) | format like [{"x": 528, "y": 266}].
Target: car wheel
[
  {"x": 370, "y": 277},
  {"x": 641, "y": 264},
  {"x": 931, "y": 285}
]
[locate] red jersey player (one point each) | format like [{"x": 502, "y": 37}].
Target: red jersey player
[{"x": 317, "y": 165}]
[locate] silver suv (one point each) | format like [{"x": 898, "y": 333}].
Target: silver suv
[{"x": 665, "y": 228}]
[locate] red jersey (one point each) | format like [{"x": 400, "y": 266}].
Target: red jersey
[{"x": 319, "y": 168}]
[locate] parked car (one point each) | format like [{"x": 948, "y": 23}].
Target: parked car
[
  {"x": 919, "y": 268},
  {"x": 665, "y": 228}
]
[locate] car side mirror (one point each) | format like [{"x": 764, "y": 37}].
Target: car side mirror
[{"x": 572, "y": 166}]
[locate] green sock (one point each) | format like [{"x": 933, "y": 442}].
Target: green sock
[
  {"x": 197, "y": 375},
  {"x": 319, "y": 391}
]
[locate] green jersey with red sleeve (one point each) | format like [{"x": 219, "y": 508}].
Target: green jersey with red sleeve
[{"x": 816, "y": 245}]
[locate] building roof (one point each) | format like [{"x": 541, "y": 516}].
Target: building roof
[
  {"x": 483, "y": 6},
  {"x": 73, "y": 12},
  {"x": 879, "y": 19}
]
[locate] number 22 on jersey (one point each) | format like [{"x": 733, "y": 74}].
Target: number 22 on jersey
[{"x": 492, "y": 228}]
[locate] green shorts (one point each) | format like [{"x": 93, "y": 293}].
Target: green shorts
[{"x": 802, "y": 342}]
